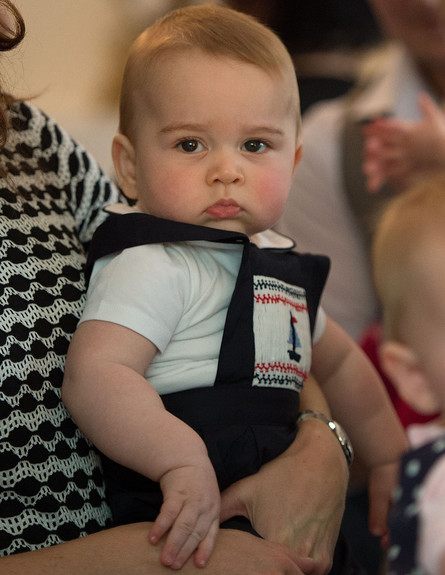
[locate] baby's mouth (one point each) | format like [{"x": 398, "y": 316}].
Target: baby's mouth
[{"x": 224, "y": 209}]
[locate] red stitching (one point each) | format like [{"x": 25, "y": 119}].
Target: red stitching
[
  {"x": 280, "y": 367},
  {"x": 273, "y": 299}
]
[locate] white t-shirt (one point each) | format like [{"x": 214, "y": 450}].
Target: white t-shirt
[
  {"x": 189, "y": 294},
  {"x": 190, "y": 288}
]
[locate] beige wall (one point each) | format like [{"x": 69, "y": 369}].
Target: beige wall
[{"x": 72, "y": 59}]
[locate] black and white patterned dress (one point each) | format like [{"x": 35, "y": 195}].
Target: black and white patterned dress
[{"x": 50, "y": 481}]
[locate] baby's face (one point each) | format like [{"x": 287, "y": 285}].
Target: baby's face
[
  {"x": 215, "y": 143},
  {"x": 423, "y": 316}
]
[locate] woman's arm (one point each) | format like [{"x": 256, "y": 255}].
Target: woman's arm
[
  {"x": 298, "y": 498},
  {"x": 125, "y": 551}
]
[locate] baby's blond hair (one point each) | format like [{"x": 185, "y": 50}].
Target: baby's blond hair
[
  {"x": 412, "y": 219},
  {"x": 216, "y": 30}
]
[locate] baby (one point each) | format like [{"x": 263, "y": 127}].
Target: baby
[
  {"x": 409, "y": 269},
  {"x": 200, "y": 329}
]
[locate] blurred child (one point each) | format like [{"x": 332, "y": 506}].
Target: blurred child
[
  {"x": 409, "y": 268},
  {"x": 181, "y": 296}
]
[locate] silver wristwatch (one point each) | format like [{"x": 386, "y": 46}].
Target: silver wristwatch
[{"x": 336, "y": 429}]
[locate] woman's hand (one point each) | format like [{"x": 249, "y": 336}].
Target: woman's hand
[
  {"x": 297, "y": 499},
  {"x": 240, "y": 553}
]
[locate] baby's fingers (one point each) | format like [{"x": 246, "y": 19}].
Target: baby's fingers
[
  {"x": 207, "y": 545},
  {"x": 382, "y": 480},
  {"x": 167, "y": 516},
  {"x": 186, "y": 535}
]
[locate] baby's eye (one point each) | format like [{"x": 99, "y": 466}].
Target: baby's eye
[
  {"x": 255, "y": 146},
  {"x": 190, "y": 145}
]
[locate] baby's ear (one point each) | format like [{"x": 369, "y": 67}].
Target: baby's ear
[
  {"x": 297, "y": 158},
  {"x": 400, "y": 363},
  {"x": 124, "y": 160}
]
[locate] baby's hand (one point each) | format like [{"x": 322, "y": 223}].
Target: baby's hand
[
  {"x": 382, "y": 481},
  {"x": 191, "y": 512},
  {"x": 387, "y": 153},
  {"x": 396, "y": 151}
]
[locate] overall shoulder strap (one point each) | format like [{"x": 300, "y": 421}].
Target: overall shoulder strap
[{"x": 121, "y": 231}]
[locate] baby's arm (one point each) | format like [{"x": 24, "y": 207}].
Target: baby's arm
[
  {"x": 359, "y": 401},
  {"x": 112, "y": 402},
  {"x": 396, "y": 150}
]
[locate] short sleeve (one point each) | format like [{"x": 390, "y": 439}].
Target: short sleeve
[
  {"x": 141, "y": 289},
  {"x": 320, "y": 325}
]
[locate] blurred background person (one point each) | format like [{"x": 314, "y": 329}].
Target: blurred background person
[
  {"x": 330, "y": 188},
  {"x": 408, "y": 259},
  {"x": 326, "y": 38},
  {"x": 331, "y": 210}
]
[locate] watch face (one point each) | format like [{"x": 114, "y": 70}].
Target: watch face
[
  {"x": 340, "y": 432},
  {"x": 344, "y": 440}
]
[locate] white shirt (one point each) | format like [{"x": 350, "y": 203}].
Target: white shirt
[{"x": 190, "y": 289}]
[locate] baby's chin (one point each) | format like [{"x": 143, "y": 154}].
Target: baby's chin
[
  {"x": 228, "y": 226},
  {"x": 225, "y": 224}
]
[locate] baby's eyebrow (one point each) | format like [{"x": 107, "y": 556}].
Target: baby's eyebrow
[
  {"x": 265, "y": 129},
  {"x": 191, "y": 127},
  {"x": 182, "y": 127}
]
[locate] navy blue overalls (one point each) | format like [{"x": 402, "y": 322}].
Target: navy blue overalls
[{"x": 243, "y": 424}]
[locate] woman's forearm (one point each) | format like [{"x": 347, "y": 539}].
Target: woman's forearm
[
  {"x": 311, "y": 397},
  {"x": 126, "y": 551},
  {"x": 298, "y": 498},
  {"x": 119, "y": 551}
]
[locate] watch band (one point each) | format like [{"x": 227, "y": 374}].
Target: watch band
[{"x": 336, "y": 429}]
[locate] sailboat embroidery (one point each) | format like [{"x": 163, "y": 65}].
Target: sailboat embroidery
[{"x": 294, "y": 340}]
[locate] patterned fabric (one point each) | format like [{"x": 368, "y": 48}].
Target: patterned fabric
[
  {"x": 279, "y": 304},
  {"x": 403, "y": 521},
  {"x": 50, "y": 481}
]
